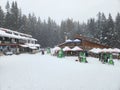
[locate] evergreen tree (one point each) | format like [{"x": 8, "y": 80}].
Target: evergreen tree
[
  {"x": 91, "y": 28},
  {"x": 22, "y": 23},
  {"x": 63, "y": 32},
  {"x": 8, "y": 19},
  {"x": 110, "y": 34},
  {"x": 1, "y": 17},
  {"x": 70, "y": 28},
  {"x": 117, "y": 30},
  {"x": 104, "y": 30},
  {"x": 14, "y": 15},
  {"x": 49, "y": 34},
  {"x": 98, "y": 26},
  {"x": 7, "y": 6},
  {"x": 101, "y": 28}
]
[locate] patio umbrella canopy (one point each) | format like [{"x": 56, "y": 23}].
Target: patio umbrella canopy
[
  {"x": 104, "y": 50},
  {"x": 56, "y": 48},
  {"x": 95, "y": 50},
  {"x": 116, "y": 50},
  {"x": 76, "y": 48},
  {"x": 66, "y": 48},
  {"x": 109, "y": 50}
]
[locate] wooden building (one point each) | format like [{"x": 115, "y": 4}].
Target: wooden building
[{"x": 85, "y": 43}]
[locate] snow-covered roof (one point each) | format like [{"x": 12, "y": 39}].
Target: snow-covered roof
[
  {"x": 33, "y": 39},
  {"x": 69, "y": 40},
  {"x": 14, "y": 34},
  {"x": 30, "y": 45},
  {"x": 37, "y": 45},
  {"x": 24, "y": 45},
  {"x": 77, "y": 40},
  {"x": 76, "y": 48},
  {"x": 33, "y": 47},
  {"x": 2, "y": 33}
]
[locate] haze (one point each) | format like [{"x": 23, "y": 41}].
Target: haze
[{"x": 79, "y": 10}]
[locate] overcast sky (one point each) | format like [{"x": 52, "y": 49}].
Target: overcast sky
[{"x": 79, "y": 10}]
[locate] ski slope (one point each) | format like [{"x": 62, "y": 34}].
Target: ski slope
[{"x": 46, "y": 72}]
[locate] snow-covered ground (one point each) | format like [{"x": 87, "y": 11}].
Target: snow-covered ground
[{"x": 45, "y": 72}]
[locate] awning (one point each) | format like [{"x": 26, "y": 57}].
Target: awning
[
  {"x": 37, "y": 45},
  {"x": 33, "y": 47},
  {"x": 24, "y": 45}
]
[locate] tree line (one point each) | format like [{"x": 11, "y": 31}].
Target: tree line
[{"x": 49, "y": 33}]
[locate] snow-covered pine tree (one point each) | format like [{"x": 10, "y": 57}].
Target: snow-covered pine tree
[
  {"x": 117, "y": 30},
  {"x": 1, "y": 17}
]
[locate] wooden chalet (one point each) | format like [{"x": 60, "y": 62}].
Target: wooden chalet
[{"x": 86, "y": 43}]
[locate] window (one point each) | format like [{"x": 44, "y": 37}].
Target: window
[
  {"x": 8, "y": 32},
  {"x": 16, "y": 34}
]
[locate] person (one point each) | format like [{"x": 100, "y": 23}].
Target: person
[
  {"x": 107, "y": 59},
  {"x": 86, "y": 53},
  {"x": 42, "y": 52},
  {"x": 100, "y": 57},
  {"x": 119, "y": 56},
  {"x": 80, "y": 58}
]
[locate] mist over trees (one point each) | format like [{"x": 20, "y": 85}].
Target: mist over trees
[{"x": 49, "y": 33}]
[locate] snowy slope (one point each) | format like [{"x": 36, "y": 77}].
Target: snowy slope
[{"x": 45, "y": 72}]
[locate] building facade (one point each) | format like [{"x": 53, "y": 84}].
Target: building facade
[
  {"x": 86, "y": 43},
  {"x": 16, "y": 42}
]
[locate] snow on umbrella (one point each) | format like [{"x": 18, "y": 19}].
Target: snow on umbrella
[
  {"x": 98, "y": 50},
  {"x": 66, "y": 48},
  {"x": 76, "y": 48},
  {"x": 116, "y": 50},
  {"x": 56, "y": 48},
  {"x": 91, "y": 50},
  {"x": 95, "y": 50},
  {"x": 69, "y": 40},
  {"x": 110, "y": 50},
  {"x": 76, "y": 40},
  {"x": 104, "y": 50}
]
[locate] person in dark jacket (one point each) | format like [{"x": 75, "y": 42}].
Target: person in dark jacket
[{"x": 42, "y": 52}]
